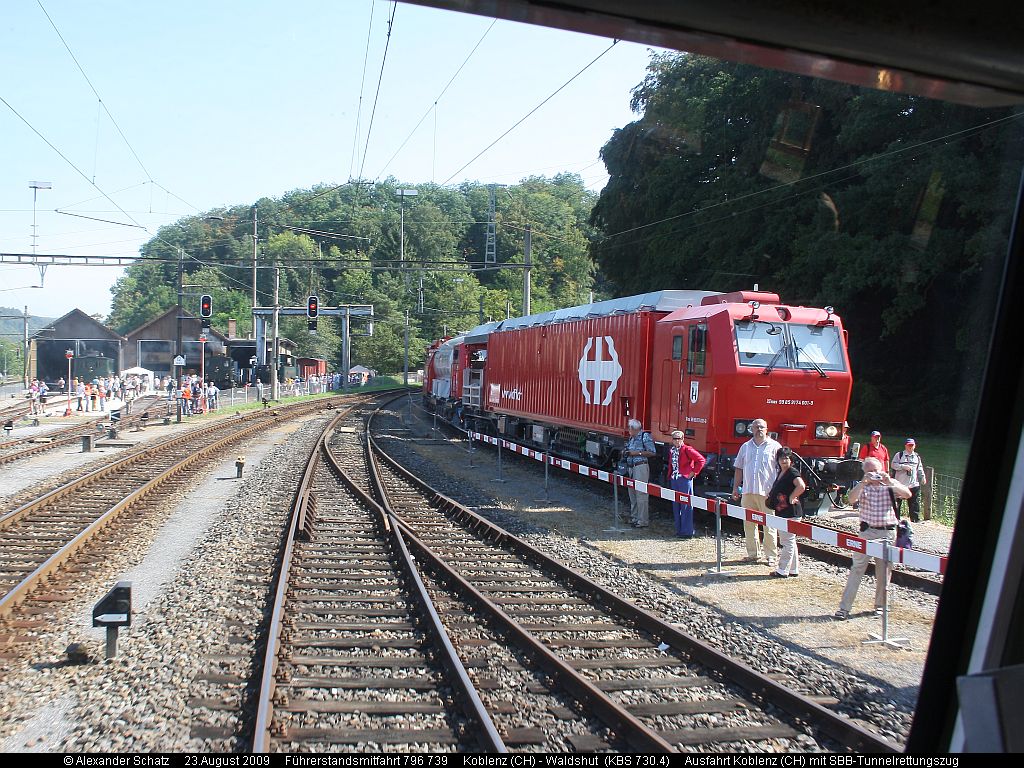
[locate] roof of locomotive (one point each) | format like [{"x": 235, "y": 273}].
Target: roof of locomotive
[{"x": 655, "y": 301}]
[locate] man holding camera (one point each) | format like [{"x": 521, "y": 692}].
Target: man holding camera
[{"x": 876, "y": 494}]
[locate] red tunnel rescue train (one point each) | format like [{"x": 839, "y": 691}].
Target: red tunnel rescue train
[{"x": 704, "y": 362}]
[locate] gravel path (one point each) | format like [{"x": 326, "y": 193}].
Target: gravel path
[
  {"x": 783, "y": 627},
  {"x": 199, "y": 590}
]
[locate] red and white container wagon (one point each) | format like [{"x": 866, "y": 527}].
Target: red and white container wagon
[
  {"x": 573, "y": 377},
  {"x": 704, "y": 362}
]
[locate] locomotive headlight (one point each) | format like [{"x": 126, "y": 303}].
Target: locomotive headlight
[
  {"x": 741, "y": 427},
  {"x": 826, "y": 431}
]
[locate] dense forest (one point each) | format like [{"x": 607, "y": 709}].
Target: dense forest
[
  {"x": 343, "y": 244},
  {"x": 893, "y": 209}
]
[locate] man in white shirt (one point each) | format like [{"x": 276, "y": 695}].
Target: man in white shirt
[{"x": 755, "y": 472}]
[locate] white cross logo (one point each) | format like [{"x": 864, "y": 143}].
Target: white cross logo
[{"x": 599, "y": 370}]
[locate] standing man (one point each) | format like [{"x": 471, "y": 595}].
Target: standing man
[
  {"x": 874, "y": 449},
  {"x": 875, "y": 494},
  {"x": 684, "y": 463},
  {"x": 755, "y": 472},
  {"x": 908, "y": 467},
  {"x": 639, "y": 450}
]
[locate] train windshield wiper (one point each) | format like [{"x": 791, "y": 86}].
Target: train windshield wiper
[
  {"x": 808, "y": 360},
  {"x": 771, "y": 364}
]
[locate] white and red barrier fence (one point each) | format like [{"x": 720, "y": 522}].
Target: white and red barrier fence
[{"x": 920, "y": 560}]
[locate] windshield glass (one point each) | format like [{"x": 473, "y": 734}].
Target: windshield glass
[
  {"x": 789, "y": 345},
  {"x": 817, "y": 345},
  {"x": 758, "y": 343}
]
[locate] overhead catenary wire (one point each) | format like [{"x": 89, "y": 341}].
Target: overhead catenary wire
[
  {"x": 380, "y": 80},
  {"x": 433, "y": 106},
  {"x": 362, "y": 84},
  {"x": 95, "y": 92},
  {"x": 929, "y": 143},
  {"x": 528, "y": 114},
  {"x": 67, "y": 160}
]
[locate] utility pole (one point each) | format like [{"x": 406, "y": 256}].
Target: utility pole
[
  {"x": 402, "y": 194},
  {"x": 526, "y": 270},
  {"x": 490, "y": 247},
  {"x": 346, "y": 347},
  {"x": 481, "y": 309},
  {"x": 177, "y": 346},
  {"x": 406, "y": 367},
  {"x": 255, "y": 241},
  {"x": 24, "y": 364},
  {"x": 275, "y": 389}
]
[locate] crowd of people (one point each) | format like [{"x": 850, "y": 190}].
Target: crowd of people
[
  {"x": 767, "y": 480},
  {"x": 195, "y": 395},
  {"x": 86, "y": 394}
]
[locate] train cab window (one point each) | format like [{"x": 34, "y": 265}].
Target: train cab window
[
  {"x": 817, "y": 347},
  {"x": 698, "y": 351},
  {"x": 761, "y": 344},
  {"x": 677, "y": 347}
]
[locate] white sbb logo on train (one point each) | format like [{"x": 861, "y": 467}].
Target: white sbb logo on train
[{"x": 599, "y": 370}]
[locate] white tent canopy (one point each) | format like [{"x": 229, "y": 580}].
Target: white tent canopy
[{"x": 143, "y": 373}]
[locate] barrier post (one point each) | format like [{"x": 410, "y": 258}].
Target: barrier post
[
  {"x": 616, "y": 528},
  {"x": 499, "y": 478},
  {"x": 719, "y": 510},
  {"x": 471, "y": 450},
  {"x": 884, "y": 639},
  {"x": 546, "y": 463}
]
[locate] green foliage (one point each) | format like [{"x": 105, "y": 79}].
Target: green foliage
[
  {"x": 345, "y": 244},
  {"x": 893, "y": 209}
]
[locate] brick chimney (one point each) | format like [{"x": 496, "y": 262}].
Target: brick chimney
[{"x": 232, "y": 328}]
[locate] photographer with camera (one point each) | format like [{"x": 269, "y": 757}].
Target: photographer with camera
[{"x": 877, "y": 494}]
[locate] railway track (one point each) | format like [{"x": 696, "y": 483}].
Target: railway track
[
  {"x": 39, "y": 537},
  {"x": 929, "y": 583},
  {"x": 22, "y": 448},
  {"x": 356, "y": 653},
  {"x": 590, "y": 670}
]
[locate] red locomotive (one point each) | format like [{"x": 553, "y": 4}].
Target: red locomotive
[{"x": 707, "y": 363}]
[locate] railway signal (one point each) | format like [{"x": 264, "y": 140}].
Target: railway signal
[
  {"x": 205, "y": 311},
  {"x": 312, "y": 311}
]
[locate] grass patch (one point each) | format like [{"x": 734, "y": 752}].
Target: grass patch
[{"x": 948, "y": 455}]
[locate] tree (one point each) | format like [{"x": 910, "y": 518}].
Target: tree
[{"x": 886, "y": 206}]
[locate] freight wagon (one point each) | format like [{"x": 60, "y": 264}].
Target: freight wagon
[
  {"x": 310, "y": 366},
  {"x": 706, "y": 363}
]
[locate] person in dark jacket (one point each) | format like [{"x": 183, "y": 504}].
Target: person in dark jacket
[
  {"x": 682, "y": 464},
  {"x": 784, "y": 499}
]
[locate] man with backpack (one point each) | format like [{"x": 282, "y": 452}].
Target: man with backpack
[
  {"x": 908, "y": 468},
  {"x": 636, "y": 456}
]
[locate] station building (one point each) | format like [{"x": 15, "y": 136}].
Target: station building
[
  {"x": 152, "y": 345},
  {"x": 96, "y": 349}
]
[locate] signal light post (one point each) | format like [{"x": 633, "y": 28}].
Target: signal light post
[
  {"x": 202, "y": 373},
  {"x": 69, "y": 355},
  {"x": 313, "y": 311}
]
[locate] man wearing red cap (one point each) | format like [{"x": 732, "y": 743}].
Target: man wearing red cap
[{"x": 875, "y": 450}]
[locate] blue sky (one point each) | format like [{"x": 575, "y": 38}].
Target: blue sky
[{"x": 224, "y": 103}]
